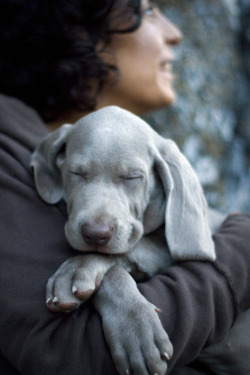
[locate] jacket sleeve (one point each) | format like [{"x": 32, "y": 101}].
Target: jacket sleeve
[
  {"x": 204, "y": 299},
  {"x": 200, "y": 300}
]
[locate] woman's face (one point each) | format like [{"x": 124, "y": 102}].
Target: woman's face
[{"x": 144, "y": 59}]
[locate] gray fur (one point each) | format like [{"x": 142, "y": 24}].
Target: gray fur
[{"x": 136, "y": 196}]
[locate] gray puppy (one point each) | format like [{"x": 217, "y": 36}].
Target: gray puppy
[{"x": 134, "y": 202}]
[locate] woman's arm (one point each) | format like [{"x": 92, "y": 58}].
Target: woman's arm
[{"x": 203, "y": 299}]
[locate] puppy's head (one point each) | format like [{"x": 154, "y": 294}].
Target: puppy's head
[{"x": 121, "y": 180}]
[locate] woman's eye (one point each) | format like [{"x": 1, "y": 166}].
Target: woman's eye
[{"x": 150, "y": 10}]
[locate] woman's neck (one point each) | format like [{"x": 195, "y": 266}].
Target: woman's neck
[{"x": 68, "y": 117}]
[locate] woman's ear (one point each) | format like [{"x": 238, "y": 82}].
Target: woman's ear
[
  {"x": 186, "y": 225},
  {"x": 44, "y": 164}
]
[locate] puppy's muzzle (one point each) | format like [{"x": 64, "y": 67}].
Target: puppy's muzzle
[{"x": 97, "y": 234}]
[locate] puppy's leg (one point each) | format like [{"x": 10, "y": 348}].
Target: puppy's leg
[
  {"x": 149, "y": 256},
  {"x": 81, "y": 276},
  {"x": 132, "y": 328},
  {"x": 76, "y": 280}
]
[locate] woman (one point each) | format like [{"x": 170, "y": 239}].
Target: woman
[{"x": 59, "y": 61}]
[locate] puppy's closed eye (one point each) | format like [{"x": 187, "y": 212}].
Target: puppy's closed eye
[
  {"x": 132, "y": 180},
  {"x": 81, "y": 174}
]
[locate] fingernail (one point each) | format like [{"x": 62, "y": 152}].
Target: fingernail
[
  {"x": 166, "y": 356},
  {"x": 74, "y": 289},
  {"x": 48, "y": 301},
  {"x": 158, "y": 310},
  {"x": 55, "y": 300}
]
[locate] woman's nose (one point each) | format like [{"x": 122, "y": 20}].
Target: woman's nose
[
  {"x": 171, "y": 32},
  {"x": 174, "y": 36}
]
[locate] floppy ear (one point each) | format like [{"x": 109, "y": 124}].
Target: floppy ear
[
  {"x": 186, "y": 225},
  {"x": 44, "y": 164}
]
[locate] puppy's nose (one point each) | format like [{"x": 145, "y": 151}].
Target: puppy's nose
[{"x": 97, "y": 234}]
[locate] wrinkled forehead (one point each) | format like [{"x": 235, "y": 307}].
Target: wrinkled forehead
[{"x": 115, "y": 133}]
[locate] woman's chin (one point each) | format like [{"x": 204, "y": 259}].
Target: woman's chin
[
  {"x": 165, "y": 100},
  {"x": 169, "y": 96}
]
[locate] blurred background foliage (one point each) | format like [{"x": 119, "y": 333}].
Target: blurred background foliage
[{"x": 210, "y": 120}]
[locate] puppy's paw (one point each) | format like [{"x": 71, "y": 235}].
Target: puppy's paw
[
  {"x": 138, "y": 342},
  {"x": 75, "y": 281},
  {"x": 136, "y": 338}
]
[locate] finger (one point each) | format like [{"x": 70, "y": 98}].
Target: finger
[
  {"x": 153, "y": 360},
  {"x": 51, "y": 300},
  {"x": 50, "y": 290},
  {"x": 63, "y": 298},
  {"x": 83, "y": 284},
  {"x": 121, "y": 360},
  {"x": 137, "y": 363},
  {"x": 164, "y": 345}
]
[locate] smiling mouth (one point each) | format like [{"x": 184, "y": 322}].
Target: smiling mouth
[{"x": 166, "y": 66}]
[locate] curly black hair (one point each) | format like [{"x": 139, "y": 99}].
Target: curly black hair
[{"x": 48, "y": 54}]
